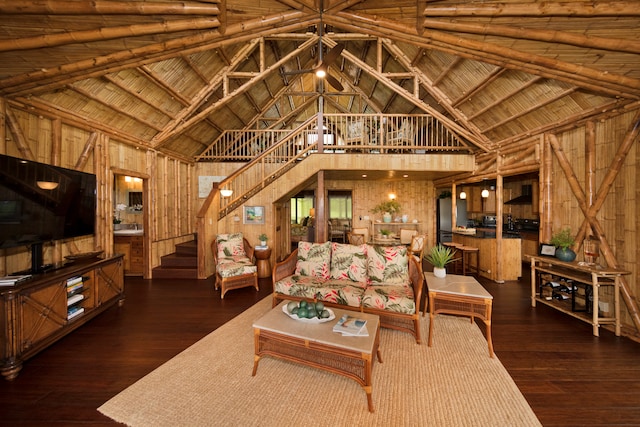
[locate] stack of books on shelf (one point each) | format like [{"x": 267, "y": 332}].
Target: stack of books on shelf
[
  {"x": 13, "y": 280},
  {"x": 351, "y": 326},
  {"x": 75, "y": 286}
]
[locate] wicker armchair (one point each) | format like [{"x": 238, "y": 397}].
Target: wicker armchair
[{"x": 235, "y": 267}]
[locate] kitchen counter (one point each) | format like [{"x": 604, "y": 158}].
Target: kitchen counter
[
  {"x": 488, "y": 233},
  {"x": 498, "y": 262}
]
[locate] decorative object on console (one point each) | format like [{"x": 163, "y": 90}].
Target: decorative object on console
[
  {"x": 563, "y": 240},
  {"x": 440, "y": 256},
  {"x": 387, "y": 209},
  {"x": 591, "y": 248},
  {"x": 263, "y": 239}
]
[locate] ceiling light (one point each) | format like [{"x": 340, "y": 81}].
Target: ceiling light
[
  {"x": 321, "y": 73},
  {"x": 47, "y": 185},
  {"x": 463, "y": 195},
  {"x": 485, "y": 193},
  {"x": 226, "y": 193}
]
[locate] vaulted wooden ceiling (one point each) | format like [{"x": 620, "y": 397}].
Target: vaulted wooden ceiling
[{"x": 172, "y": 75}]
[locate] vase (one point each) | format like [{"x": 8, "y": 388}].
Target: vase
[
  {"x": 386, "y": 217},
  {"x": 405, "y": 218},
  {"x": 439, "y": 272},
  {"x": 565, "y": 254}
]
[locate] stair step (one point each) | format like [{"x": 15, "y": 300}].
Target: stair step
[
  {"x": 187, "y": 248},
  {"x": 179, "y": 261},
  {"x": 174, "y": 273}
]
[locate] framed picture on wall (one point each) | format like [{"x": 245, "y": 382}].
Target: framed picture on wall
[
  {"x": 253, "y": 215},
  {"x": 548, "y": 250}
]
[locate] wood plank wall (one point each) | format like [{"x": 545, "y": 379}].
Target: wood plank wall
[{"x": 170, "y": 205}]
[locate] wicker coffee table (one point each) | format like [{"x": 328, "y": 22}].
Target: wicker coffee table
[{"x": 317, "y": 346}]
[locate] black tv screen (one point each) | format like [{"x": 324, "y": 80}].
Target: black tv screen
[{"x": 41, "y": 203}]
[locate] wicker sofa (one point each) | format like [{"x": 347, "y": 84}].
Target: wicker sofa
[{"x": 382, "y": 280}]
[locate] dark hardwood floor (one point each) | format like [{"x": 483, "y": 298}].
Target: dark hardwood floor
[{"x": 568, "y": 376}]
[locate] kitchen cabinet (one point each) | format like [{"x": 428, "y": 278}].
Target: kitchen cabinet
[
  {"x": 509, "y": 256},
  {"x": 41, "y": 310}
]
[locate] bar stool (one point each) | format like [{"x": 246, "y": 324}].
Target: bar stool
[
  {"x": 458, "y": 255},
  {"x": 467, "y": 252}
]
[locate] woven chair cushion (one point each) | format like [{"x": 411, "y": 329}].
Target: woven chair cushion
[
  {"x": 313, "y": 259},
  {"x": 230, "y": 245},
  {"x": 396, "y": 298},
  {"x": 349, "y": 262},
  {"x": 341, "y": 292},
  {"x": 387, "y": 265},
  {"x": 237, "y": 266}
]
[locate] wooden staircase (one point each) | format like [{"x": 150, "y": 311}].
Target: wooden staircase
[{"x": 182, "y": 264}]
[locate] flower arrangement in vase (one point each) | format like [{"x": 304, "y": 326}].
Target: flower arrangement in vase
[{"x": 387, "y": 209}]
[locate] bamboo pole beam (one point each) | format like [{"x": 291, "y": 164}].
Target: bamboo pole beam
[
  {"x": 107, "y": 33},
  {"x": 88, "y": 147},
  {"x": 536, "y": 10},
  {"x": 102, "y": 7},
  {"x": 500, "y": 100},
  {"x": 44, "y": 80},
  {"x": 533, "y": 107},
  {"x": 549, "y": 36},
  {"x": 56, "y": 141},
  {"x": 590, "y": 212},
  {"x": 18, "y": 135},
  {"x": 133, "y": 93},
  {"x": 490, "y": 78},
  {"x": 486, "y": 52},
  {"x": 546, "y": 191}
]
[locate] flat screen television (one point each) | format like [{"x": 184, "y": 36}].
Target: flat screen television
[{"x": 40, "y": 203}]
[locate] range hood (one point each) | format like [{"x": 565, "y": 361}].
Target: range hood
[{"x": 524, "y": 199}]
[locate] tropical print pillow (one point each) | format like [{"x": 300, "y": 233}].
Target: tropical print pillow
[
  {"x": 313, "y": 259},
  {"x": 387, "y": 265},
  {"x": 230, "y": 245},
  {"x": 349, "y": 262}
]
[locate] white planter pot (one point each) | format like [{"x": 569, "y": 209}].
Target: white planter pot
[{"x": 439, "y": 272}]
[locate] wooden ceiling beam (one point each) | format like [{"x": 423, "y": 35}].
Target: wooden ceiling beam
[
  {"x": 595, "y": 80},
  {"x": 436, "y": 93},
  {"x": 503, "y": 98},
  {"x": 48, "y": 79},
  {"x": 60, "y": 7},
  {"x": 542, "y": 9},
  {"x": 549, "y": 36},
  {"x": 107, "y": 33},
  {"x": 489, "y": 78},
  {"x": 242, "y": 88}
]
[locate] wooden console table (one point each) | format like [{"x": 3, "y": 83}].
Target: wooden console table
[
  {"x": 48, "y": 306},
  {"x": 593, "y": 276}
]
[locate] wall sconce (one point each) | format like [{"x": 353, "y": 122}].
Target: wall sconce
[
  {"x": 226, "y": 193},
  {"x": 463, "y": 195},
  {"x": 236, "y": 218},
  {"x": 392, "y": 196},
  {"x": 485, "y": 193},
  {"x": 47, "y": 185},
  {"x": 312, "y": 212}
]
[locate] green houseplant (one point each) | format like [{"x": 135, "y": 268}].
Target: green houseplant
[
  {"x": 263, "y": 239},
  {"x": 563, "y": 240},
  {"x": 439, "y": 256}
]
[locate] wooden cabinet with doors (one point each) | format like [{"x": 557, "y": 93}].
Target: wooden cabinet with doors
[{"x": 38, "y": 312}]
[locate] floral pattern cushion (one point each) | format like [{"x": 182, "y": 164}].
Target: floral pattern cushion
[
  {"x": 237, "y": 267},
  {"x": 341, "y": 292},
  {"x": 349, "y": 262},
  {"x": 387, "y": 265},
  {"x": 313, "y": 259},
  {"x": 396, "y": 298},
  {"x": 230, "y": 245}
]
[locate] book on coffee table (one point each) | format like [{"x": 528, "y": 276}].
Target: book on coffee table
[{"x": 351, "y": 326}]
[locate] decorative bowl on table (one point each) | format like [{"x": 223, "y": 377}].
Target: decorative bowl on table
[{"x": 311, "y": 320}]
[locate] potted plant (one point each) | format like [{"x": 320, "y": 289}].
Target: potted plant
[
  {"x": 387, "y": 209},
  {"x": 263, "y": 239},
  {"x": 385, "y": 233},
  {"x": 439, "y": 256},
  {"x": 563, "y": 240}
]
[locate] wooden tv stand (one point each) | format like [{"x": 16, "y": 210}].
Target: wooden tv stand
[
  {"x": 43, "y": 309},
  {"x": 594, "y": 277}
]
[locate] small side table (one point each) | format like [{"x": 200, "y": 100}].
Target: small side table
[
  {"x": 458, "y": 295},
  {"x": 262, "y": 262}
]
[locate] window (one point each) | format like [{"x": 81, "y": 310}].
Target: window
[
  {"x": 301, "y": 206},
  {"x": 340, "y": 204}
]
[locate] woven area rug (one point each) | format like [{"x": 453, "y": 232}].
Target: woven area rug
[{"x": 453, "y": 383}]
